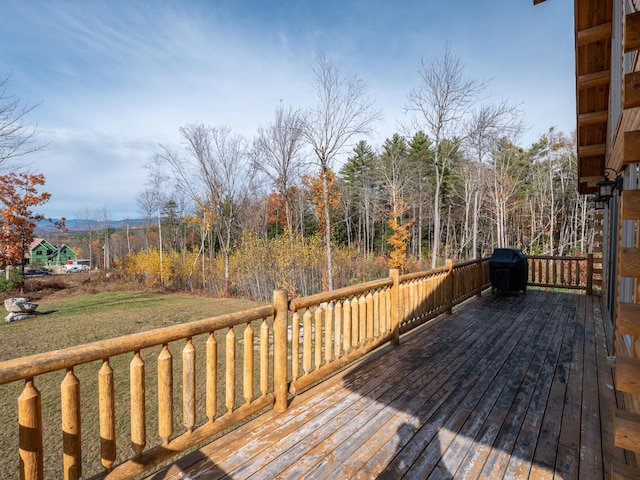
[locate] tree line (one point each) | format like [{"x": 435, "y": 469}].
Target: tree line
[
  {"x": 280, "y": 210},
  {"x": 310, "y": 204}
]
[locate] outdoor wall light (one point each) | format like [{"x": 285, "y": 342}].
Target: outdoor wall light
[
  {"x": 600, "y": 202},
  {"x": 607, "y": 186}
]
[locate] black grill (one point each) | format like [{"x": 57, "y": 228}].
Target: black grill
[{"x": 509, "y": 270}]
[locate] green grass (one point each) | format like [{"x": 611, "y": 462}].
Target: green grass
[
  {"x": 88, "y": 318},
  {"x": 84, "y": 319}
]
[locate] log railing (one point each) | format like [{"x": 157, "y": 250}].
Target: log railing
[
  {"x": 561, "y": 272},
  {"x": 425, "y": 295},
  {"x": 233, "y": 366},
  {"x": 225, "y": 339},
  {"x": 332, "y": 329}
]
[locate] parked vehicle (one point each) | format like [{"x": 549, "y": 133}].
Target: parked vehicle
[
  {"x": 78, "y": 266},
  {"x": 36, "y": 273}
]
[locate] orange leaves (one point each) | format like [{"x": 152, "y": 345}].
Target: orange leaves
[
  {"x": 18, "y": 194},
  {"x": 275, "y": 209},
  {"x": 314, "y": 185},
  {"x": 399, "y": 240}
]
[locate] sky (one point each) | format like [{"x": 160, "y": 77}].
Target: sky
[{"x": 111, "y": 81}]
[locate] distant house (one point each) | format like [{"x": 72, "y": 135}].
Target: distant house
[
  {"x": 43, "y": 253},
  {"x": 63, "y": 255}
]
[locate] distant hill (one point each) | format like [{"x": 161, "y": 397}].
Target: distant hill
[{"x": 45, "y": 227}]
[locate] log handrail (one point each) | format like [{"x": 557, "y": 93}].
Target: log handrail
[
  {"x": 551, "y": 257},
  {"x": 325, "y": 297}
]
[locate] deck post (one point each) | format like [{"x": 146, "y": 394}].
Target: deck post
[
  {"x": 394, "y": 274},
  {"x": 590, "y": 274},
  {"x": 281, "y": 305},
  {"x": 450, "y": 286}
]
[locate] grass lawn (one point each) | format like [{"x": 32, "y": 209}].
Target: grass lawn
[{"x": 85, "y": 318}]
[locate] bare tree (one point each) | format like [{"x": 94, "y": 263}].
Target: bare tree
[
  {"x": 216, "y": 174},
  {"x": 17, "y": 136},
  {"x": 439, "y": 105},
  {"x": 504, "y": 180},
  {"x": 278, "y": 153},
  {"x": 157, "y": 194},
  {"x": 105, "y": 218},
  {"x": 90, "y": 224},
  {"x": 146, "y": 206},
  {"x": 343, "y": 112},
  {"x": 485, "y": 127}
]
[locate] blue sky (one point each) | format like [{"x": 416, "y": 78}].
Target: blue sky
[{"x": 115, "y": 79}]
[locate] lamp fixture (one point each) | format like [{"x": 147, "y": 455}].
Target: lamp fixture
[
  {"x": 607, "y": 186},
  {"x": 600, "y": 202}
]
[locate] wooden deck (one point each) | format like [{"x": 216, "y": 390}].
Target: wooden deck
[{"x": 506, "y": 387}]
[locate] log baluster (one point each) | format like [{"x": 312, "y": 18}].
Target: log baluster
[
  {"x": 165, "y": 394},
  {"x": 106, "y": 399},
  {"x": 355, "y": 327},
  {"x": 248, "y": 364},
  {"x": 376, "y": 314},
  {"x": 230, "y": 369},
  {"x": 212, "y": 377},
  {"x": 429, "y": 294},
  {"x": 295, "y": 346},
  {"x": 337, "y": 322},
  {"x": 307, "y": 344},
  {"x": 369, "y": 313},
  {"x": 71, "y": 436},
  {"x": 328, "y": 332},
  {"x": 189, "y": 386},
  {"x": 382, "y": 310},
  {"x": 346, "y": 318},
  {"x": 546, "y": 271},
  {"x": 571, "y": 274},
  {"x": 362, "y": 318},
  {"x": 317, "y": 357},
  {"x": 264, "y": 357},
  {"x": 138, "y": 410},
  {"x": 413, "y": 298},
  {"x": 30, "y": 432}
]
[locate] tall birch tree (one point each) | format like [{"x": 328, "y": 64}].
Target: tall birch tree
[
  {"x": 438, "y": 106},
  {"x": 484, "y": 129},
  {"x": 343, "y": 112}
]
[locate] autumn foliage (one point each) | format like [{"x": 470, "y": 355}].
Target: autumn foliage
[
  {"x": 18, "y": 195},
  {"x": 313, "y": 183},
  {"x": 399, "y": 240}
]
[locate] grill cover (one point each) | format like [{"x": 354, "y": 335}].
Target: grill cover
[{"x": 509, "y": 270}]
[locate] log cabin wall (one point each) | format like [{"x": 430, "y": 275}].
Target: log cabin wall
[
  {"x": 624, "y": 215},
  {"x": 607, "y": 41}
]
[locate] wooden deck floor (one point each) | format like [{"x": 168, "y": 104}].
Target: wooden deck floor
[{"x": 506, "y": 387}]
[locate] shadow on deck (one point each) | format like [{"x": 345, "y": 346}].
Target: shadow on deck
[{"x": 506, "y": 387}]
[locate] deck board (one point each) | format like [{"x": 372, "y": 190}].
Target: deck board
[{"x": 506, "y": 387}]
